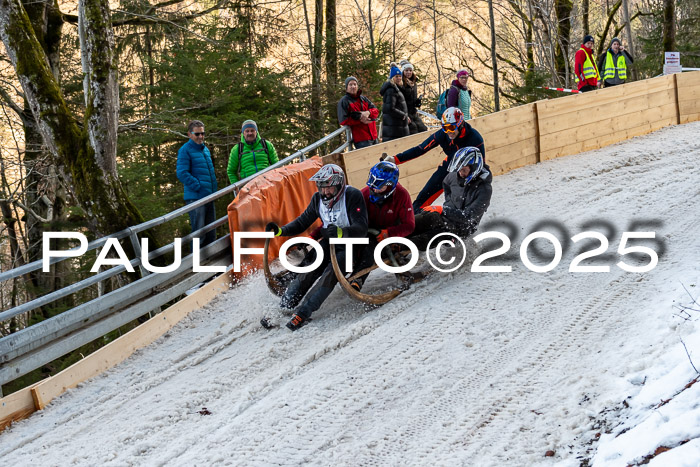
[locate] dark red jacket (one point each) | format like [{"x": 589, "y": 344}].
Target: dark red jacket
[
  {"x": 579, "y": 58},
  {"x": 395, "y": 215},
  {"x": 348, "y": 108}
]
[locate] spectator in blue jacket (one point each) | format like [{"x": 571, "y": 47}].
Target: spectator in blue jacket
[{"x": 195, "y": 170}]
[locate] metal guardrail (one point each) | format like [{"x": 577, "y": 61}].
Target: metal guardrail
[
  {"x": 435, "y": 124},
  {"x": 36, "y": 345}
]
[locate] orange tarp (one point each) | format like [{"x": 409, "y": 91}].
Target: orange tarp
[{"x": 280, "y": 196}]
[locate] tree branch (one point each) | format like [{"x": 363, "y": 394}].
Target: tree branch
[
  {"x": 481, "y": 43},
  {"x": 11, "y": 104}
]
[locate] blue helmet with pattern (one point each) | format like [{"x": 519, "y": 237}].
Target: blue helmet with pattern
[
  {"x": 383, "y": 174},
  {"x": 469, "y": 156}
]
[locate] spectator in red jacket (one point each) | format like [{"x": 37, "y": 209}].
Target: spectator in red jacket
[
  {"x": 358, "y": 112},
  {"x": 585, "y": 69}
]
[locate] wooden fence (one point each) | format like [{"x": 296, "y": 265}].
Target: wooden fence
[{"x": 553, "y": 128}]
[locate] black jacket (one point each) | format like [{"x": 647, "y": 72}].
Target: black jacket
[
  {"x": 466, "y": 203},
  {"x": 395, "y": 119},
  {"x": 354, "y": 205},
  {"x": 410, "y": 94},
  {"x": 468, "y": 136}
]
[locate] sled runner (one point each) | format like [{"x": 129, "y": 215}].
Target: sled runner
[{"x": 405, "y": 281}]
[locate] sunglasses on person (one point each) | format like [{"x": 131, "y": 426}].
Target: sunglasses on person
[{"x": 199, "y": 133}]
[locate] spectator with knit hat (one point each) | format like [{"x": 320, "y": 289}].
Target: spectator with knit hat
[
  {"x": 613, "y": 64},
  {"x": 359, "y": 113},
  {"x": 251, "y": 155},
  {"x": 395, "y": 120},
  {"x": 409, "y": 89},
  {"x": 585, "y": 69},
  {"x": 459, "y": 95}
]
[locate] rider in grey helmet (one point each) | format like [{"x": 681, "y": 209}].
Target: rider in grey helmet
[
  {"x": 344, "y": 214},
  {"x": 468, "y": 192}
]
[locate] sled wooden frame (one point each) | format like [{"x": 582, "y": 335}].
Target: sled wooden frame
[
  {"x": 272, "y": 280},
  {"x": 377, "y": 300},
  {"x": 278, "y": 288}
]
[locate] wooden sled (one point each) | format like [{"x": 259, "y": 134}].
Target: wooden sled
[{"x": 378, "y": 299}]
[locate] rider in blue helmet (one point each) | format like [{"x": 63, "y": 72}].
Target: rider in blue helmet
[
  {"x": 389, "y": 212},
  {"x": 383, "y": 174}
]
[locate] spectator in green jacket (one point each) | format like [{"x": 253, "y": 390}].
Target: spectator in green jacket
[{"x": 251, "y": 155}]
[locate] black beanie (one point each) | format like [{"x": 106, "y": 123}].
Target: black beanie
[{"x": 587, "y": 38}]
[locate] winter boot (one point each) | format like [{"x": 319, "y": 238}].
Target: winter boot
[
  {"x": 357, "y": 283},
  {"x": 296, "y": 322}
]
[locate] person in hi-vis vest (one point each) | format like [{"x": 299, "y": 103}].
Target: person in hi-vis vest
[
  {"x": 613, "y": 64},
  {"x": 585, "y": 70}
]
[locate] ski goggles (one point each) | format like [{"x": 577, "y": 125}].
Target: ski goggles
[{"x": 449, "y": 127}]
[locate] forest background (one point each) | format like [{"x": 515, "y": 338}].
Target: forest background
[{"x": 95, "y": 96}]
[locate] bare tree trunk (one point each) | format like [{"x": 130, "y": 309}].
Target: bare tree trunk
[
  {"x": 393, "y": 35},
  {"x": 331, "y": 59},
  {"x": 89, "y": 153},
  {"x": 669, "y": 31},
  {"x": 315, "y": 55},
  {"x": 563, "y": 11},
  {"x": 41, "y": 179},
  {"x": 435, "y": 52},
  {"x": 630, "y": 38},
  {"x": 494, "y": 60},
  {"x": 317, "y": 123},
  {"x": 371, "y": 29},
  {"x": 100, "y": 84},
  {"x": 529, "y": 39},
  {"x": 585, "y": 12}
]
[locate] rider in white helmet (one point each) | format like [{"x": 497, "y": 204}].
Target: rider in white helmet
[{"x": 344, "y": 214}]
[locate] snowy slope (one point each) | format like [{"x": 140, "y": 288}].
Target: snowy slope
[{"x": 464, "y": 369}]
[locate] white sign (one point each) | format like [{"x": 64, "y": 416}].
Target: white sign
[{"x": 672, "y": 63}]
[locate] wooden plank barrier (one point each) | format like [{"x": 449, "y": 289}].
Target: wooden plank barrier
[
  {"x": 16, "y": 406},
  {"x": 589, "y": 121},
  {"x": 510, "y": 137},
  {"x": 688, "y": 96},
  {"x": 24, "y": 402}
]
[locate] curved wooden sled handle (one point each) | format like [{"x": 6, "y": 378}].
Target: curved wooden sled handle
[
  {"x": 273, "y": 283},
  {"x": 380, "y": 299}
]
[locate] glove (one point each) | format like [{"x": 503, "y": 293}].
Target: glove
[
  {"x": 419, "y": 102},
  {"x": 382, "y": 235},
  {"x": 437, "y": 209},
  {"x": 386, "y": 157},
  {"x": 272, "y": 227},
  {"x": 333, "y": 231}
]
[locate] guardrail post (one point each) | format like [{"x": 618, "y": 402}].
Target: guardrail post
[{"x": 137, "y": 251}]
